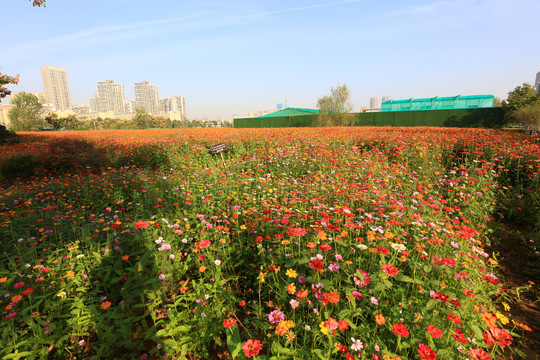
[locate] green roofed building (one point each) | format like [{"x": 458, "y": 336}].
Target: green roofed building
[
  {"x": 288, "y": 117},
  {"x": 290, "y": 112},
  {"x": 439, "y": 103}
]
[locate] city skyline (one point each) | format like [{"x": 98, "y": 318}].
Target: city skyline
[{"x": 237, "y": 57}]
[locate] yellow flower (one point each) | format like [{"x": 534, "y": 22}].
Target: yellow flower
[
  {"x": 61, "y": 294},
  {"x": 291, "y": 273},
  {"x": 506, "y": 306},
  {"x": 261, "y": 276},
  {"x": 504, "y": 319},
  {"x": 324, "y": 330}
]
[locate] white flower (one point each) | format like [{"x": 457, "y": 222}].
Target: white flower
[
  {"x": 361, "y": 246},
  {"x": 171, "y": 256},
  {"x": 217, "y": 262},
  {"x": 307, "y": 328},
  {"x": 398, "y": 247},
  {"x": 357, "y": 344}
]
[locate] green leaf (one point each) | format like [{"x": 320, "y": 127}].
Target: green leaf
[{"x": 234, "y": 343}]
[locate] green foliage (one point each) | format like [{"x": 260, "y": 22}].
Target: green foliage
[
  {"x": 70, "y": 122},
  {"x": 144, "y": 157},
  {"x": 141, "y": 119},
  {"x": 529, "y": 115},
  {"x": 26, "y": 112},
  {"x": 71, "y": 154},
  {"x": 519, "y": 97},
  {"x": 18, "y": 166},
  {"x": 7, "y": 136},
  {"x": 335, "y": 109}
]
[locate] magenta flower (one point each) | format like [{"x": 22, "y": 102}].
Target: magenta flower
[
  {"x": 361, "y": 278},
  {"x": 276, "y": 316}
]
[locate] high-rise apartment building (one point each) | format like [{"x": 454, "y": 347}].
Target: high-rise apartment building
[
  {"x": 373, "y": 103},
  {"x": 174, "y": 104},
  {"x": 56, "y": 87},
  {"x": 537, "y": 83},
  {"x": 147, "y": 96},
  {"x": 110, "y": 97}
]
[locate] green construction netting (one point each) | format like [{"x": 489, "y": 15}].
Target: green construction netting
[
  {"x": 439, "y": 103},
  {"x": 475, "y": 117},
  {"x": 290, "y": 112}
]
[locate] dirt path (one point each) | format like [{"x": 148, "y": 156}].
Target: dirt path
[{"x": 519, "y": 266}]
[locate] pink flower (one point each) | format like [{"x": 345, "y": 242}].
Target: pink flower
[
  {"x": 19, "y": 284},
  {"x": 276, "y": 316},
  {"x": 361, "y": 278}
]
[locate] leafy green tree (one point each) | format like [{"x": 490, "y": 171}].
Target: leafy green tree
[
  {"x": 519, "y": 97},
  {"x": 530, "y": 116},
  {"x": 25, "y": 115},
  {"x": 141, "y": 119},
  {"x": 54, "y": 121},
  {"x": 335, "y": 109}
]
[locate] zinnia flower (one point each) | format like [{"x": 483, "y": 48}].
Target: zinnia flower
[
  {"x": 426, "y": 353},
  {"x": 229, "y": 322},
  {"x": 276, "y": 316},
  {"x": 400, "y": 329},
  {"x": 361, "y": 278},
  {"x": 252, "y": 348}
]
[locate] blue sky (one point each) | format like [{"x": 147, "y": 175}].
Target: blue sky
[{"x": 233, "y": 57}]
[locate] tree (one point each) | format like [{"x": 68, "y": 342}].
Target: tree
[
  {"x": 141, "y": 119},
  {"x": 530, "y": 116},
  {"x": 519, "y": 97},
  {"x": 25, "y": 115},
  {"x": 335, "y": 109},
  {"x": 4, "y": 80}
]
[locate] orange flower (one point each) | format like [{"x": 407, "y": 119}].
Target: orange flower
[
  {"x": 291, "y": 289},
  {"x": 242, "y": 303},
  {"x": 202, "y": 268},
  {"x": 105, "y": 305},
  {"x": 3, "y": 280},
  {"x": 489, "y": 319},
  {"x": 125, "y": 257},
  {"x": 332, "y": 297},
  {"x": 70, "y": 273},
  {"x": 379, "y": 318},
  {"x": 16, "y": 298}
]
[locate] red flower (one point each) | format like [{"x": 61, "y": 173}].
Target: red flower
[
  {"x": 426, "y": 353},
  {"x": 325, "y": 247},
  {"x": 296, "y": 231},
  {"x": 141, "y": 224},
  {"x": 390, "y": 270},
  {"x": 229, "y": 322},
  {"x": 316, "y": 265},
  {"x": 400, "y": 329},
  {"x": 500, "y": 336},
  {"x": 252, "y": 348},
  {"x": 382, "y": 250},
  {"x": 204, "y": 243},
  {"x": 458, "y": 336},
  {"x": 28, "y": 291},
  {"x": 435, "y": 332},
  {"x": 454, "y": 318},
  {"x": 479, "y": 354},
  {"x": 361, "y": 278}
]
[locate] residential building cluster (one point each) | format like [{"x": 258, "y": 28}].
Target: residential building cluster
[{"x": 110, "y": 99}]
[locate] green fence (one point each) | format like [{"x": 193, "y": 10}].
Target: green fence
[{"x": 469, "y": 118}]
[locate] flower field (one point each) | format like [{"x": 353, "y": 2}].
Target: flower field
[{"x": 305, "y": 243}]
